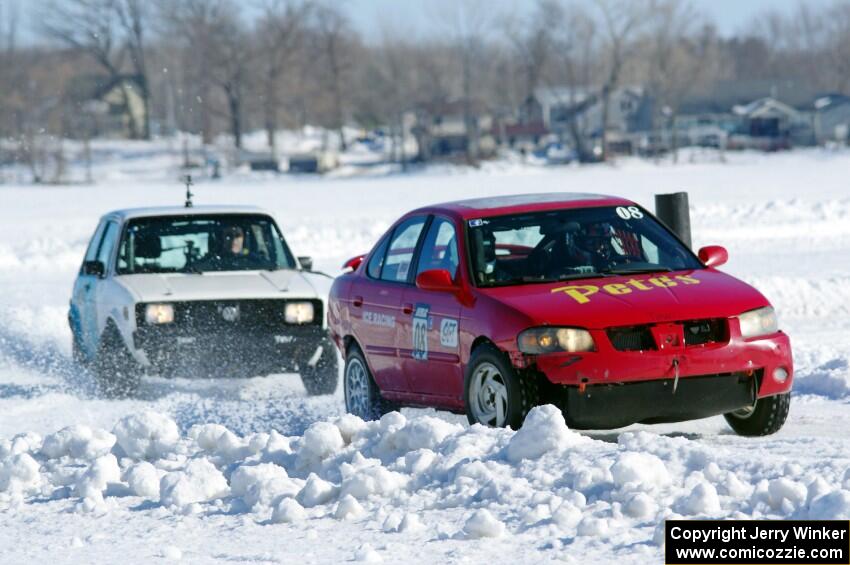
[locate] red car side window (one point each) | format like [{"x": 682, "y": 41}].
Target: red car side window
[{"x": 396, "y": 267}]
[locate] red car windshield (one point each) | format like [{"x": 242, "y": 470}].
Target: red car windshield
[{"x": 575, "y": 243}]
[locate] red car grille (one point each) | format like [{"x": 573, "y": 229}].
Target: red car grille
[{"x": 696, "y": 332}]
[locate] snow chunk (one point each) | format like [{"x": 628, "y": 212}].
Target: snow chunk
[
  {"x": 143, "y": 480},
  {"x": 146, "y": 435},
  {"x": 199, "y": 482},
  {"x": 78, "y": 442},
  {"x": 639, "y": 471},
  {"x": 367, "y": 554},
  {"x": 567, "y": 515},
  {"x": 349, "y": 426},
  {"x": 321, "y": 440},
  {"x": 544, "y": 430},
  {"x": 640, "y": 506},
  {"x": 482, "y": 524},
  {"x": 348, "y": 508},
  {"x": 288, "y": 511},
  {"x": 316, "y": 491},
  {"x": 832, "y": 506},
  {"x": 785, "y": 494},
  {"x": 373, "y": 480},
  {"x": 260, "y": 485},
  {"x": 19, "y": 473},
  {"x": 101, "y": 472},
  {"x": 410, "y": 523},
  {"x": 702, "y": 499},
  {"x": 591, "y": 526}
]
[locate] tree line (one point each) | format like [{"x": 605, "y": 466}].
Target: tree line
[{"x": 213, "y": 67}]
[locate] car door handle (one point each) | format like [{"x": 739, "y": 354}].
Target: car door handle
[
  {"x": 357, "y": 301},
  {"x": 407, "y": 308}
]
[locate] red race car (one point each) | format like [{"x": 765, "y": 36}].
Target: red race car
[{"x": 494, "y": 305}]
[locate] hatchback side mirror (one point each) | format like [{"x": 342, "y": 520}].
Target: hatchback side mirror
[
  {"x": 94, "y": 268},
  {"x": 713, "y": 255},
  {"x": 438, "y": 280},
  {"x": 306, "y": 263}
]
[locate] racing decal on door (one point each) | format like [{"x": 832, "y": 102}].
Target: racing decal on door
[
  {"x": 420, "y": 332},
  {"x": 378, "y": 319},
  {"x": 448, "y": 332}
]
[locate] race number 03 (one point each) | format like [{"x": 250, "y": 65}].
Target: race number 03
[{"x": 630, "y": 213}]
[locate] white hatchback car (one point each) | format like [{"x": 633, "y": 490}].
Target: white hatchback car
[{"x": 207, "y": 290}]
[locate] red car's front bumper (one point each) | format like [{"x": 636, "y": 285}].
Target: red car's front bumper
[{"x": 607, "y": 365}]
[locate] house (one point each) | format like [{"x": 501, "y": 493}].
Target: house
[
  {"x": 767, "y": 123},
  {"x": 445, "y": 130},
  {"x": 108, "y": 107},
  {"x": 562, "y": 112},
  {"x": 832, "y": 119}
]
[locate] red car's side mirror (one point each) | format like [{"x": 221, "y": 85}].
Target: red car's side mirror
[
  {"x": 713, "y": 255},
  {"x": 353, "y": 263},
  {"x": 438, "y": 280}
]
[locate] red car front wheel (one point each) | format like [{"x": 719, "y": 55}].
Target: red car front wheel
[{"x": 494, "y": 394}]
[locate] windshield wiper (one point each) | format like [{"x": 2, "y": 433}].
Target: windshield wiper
[
  {"x": 192, "y": 270},
  {"x": 637, "y": 271}
]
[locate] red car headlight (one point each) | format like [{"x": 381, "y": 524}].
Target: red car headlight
[{"x": 535, "y": 341}]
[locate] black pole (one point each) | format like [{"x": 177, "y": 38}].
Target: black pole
[{"x": 673, "y": 210}]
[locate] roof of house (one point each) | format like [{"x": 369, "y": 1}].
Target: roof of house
[
  {"x": 96, "y": 86},
  {"x": 762, "y": 107}
]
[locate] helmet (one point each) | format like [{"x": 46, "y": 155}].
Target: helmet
[{"x": 595, "y": 237}]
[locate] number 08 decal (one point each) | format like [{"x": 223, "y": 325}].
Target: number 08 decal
[
  {"x": 630, "y": 213},
  {"x": 420, "y": 332}
]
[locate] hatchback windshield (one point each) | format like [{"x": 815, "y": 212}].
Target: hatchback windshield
[
  {"x": 572, "y": 244},
  {"x": 198, "y": 244}
]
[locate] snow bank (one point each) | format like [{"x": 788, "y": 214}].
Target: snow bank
[{"x": 418, "y": 476}]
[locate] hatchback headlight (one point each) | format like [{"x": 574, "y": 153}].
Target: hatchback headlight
[
  {"x": 548, "y": 340},
  {"x": 299, "y": 312},
  {"x": 159, "y": 313},
  {"x": 759, "y": 322}
]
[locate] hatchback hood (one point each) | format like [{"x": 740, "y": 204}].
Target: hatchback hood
[
  {"x": 632, "y": 300},
  {"x": 231, "y": 285}
]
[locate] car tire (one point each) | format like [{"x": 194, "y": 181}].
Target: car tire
[
  {"x": 362, "y": 396},
  {"x": 323, "y": 377},
  {"x": 494, "y": 393},
  {"x": 763, "y": 418},
  {"x": 77, "y": 354},
  {"x": 116, "y": 373}
]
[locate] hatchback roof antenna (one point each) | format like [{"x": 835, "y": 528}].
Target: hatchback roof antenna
[{"x": 188, "y": 180}]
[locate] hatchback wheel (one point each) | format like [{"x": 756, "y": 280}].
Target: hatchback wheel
[
  {"x": 116, "y": 372},
  {"x": 362, "y": 396},
  {"x": 495, "y": 395}
]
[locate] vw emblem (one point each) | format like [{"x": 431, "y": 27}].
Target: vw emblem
[{"x": 229, "y": 313}]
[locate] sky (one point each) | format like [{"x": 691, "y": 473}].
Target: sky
[{"x": 373, "y": 17}]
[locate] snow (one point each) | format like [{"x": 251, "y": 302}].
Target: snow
[{"x": 253, "y": 470}]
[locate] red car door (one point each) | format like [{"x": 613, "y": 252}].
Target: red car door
[
  {"x": 429, "y": 337},
  {"x": 376, "y": 303}
]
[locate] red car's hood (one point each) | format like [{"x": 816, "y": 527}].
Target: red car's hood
[{"x": 631, "y": 300}]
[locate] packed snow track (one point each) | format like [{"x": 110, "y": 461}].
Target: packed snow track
[{"x": 255, "y": 471}]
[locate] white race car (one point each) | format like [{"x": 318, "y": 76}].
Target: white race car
[{"x": 208, "y": 290}]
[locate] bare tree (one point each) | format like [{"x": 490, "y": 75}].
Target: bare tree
[
  {"x": 620, "y": 21},
  {"x": 533, "y": 40},
  {"x": 281, "y": 34},
  {"x": 682, "y": 57},
  {"x": 92, "y": 27},
  {"x": 133, "y": 16},
  {"x": 468, "y": 22},
  {"x": 335, "y": 41}
]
